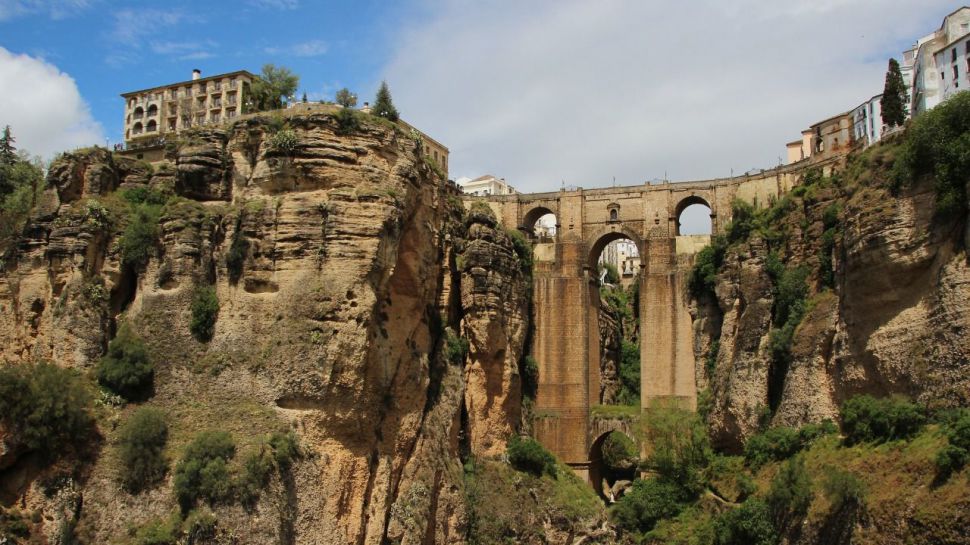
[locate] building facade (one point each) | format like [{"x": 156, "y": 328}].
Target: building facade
[
  {"x": 824, "y": 139},
  {"x": 939, "y": 64},
  {"x": 867, "y": 121},
  {"x": 160, "y": 111},
  {"x": 486, "y": 185}
]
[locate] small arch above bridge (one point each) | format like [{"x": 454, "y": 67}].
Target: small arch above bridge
[{"x": 694, "y": 201}]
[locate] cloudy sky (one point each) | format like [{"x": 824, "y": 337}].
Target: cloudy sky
[{"x": 539, "y": 92}]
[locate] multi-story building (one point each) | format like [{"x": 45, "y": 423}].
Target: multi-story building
[
  {"x": 939, "y": 64},
  {"x": 824, "y": 139},
  {"x": 159, "y": 111},
  {"x": 623, "y": 255},
  {"x": 485, "y": 185},
  {"x": 867, "y": 121}
]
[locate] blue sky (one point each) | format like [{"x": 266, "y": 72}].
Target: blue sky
[{"x": 543, "y": 93}]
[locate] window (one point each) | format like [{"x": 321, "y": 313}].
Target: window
[
  {"x": 202, "y": 87},
  {"x": 171, "y": 124},
  {"x": 613, "y": 215},
  {"x": 956, "y": 76},
  {"x": 943, "y": 76},
  {"x": 172, "y": 93},
  {"x": 953, "y": 55},
  {"x": 151, "y": 126}
]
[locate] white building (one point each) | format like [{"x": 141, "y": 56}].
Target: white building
[
  {"x": 939, "y": 64},
  {"x": 867, "y": 121},
  {"x": 623, "y": 255},
  {"x": 485, "y": 185}
]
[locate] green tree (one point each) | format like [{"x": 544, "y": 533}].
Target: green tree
[
  {"x": 141, "y": 448},
  {"x": 893, "y": 101},
  {"x": 681, "y": 450},
  {"x": 205, "y": 311},
  {"x": 203, "y": 472},
  {"x": 346, "y": 98},
  {"x": 126, "y": 369},
  {"x": 8, "y": 153},
  {"x": 274, "y": 86},
  {"x": 383, "y": 105}
]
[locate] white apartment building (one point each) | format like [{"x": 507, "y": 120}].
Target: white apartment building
[
  {"x": 623, "y": 255},
  {"x": 867, "y": 121},
  {"x": 939, "y": 65},
  {"x": 485, "y": 185}
]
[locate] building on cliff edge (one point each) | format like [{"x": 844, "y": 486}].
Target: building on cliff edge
[{"x": 485, "y": 185}]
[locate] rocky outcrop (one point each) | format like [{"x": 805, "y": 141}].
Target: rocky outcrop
[
  {"x": 895, "y": 321},
  {"x": 334, "y": 264}
]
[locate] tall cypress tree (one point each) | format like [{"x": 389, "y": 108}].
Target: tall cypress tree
[
  {"x": 383, "y": 106},
  {"x": 893, "y": 101}
]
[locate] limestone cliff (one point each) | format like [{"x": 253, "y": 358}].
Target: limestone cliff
[
  {"x": 885, "y": 308},
  {"x": 334, "y": 255}
]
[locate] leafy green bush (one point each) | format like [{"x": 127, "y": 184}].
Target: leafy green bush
[
  {"x": 137, "y": 242},
  {"x": 157, "y": 532},
  {"x": 956, "y": 454},
  {"x": 790, "y": 494},
  {"x": 629, "y": 393},
  {"x": 523, "y": 249},
  {"x": 284, "y": 141},
  {"x": 126, "y": 369},
  {"x": 776, "y": 444},
  {"x": 530, "y": 376},
  {"x": 868, "y": 419},
  {"x": 619, "y": 451},
  {"x": 456, "y": 348},
  {"x": 285, "y": 448},
  {"x": 236, "y": 256},
  {"x": 21, "y": 185},
  {"x": 526, "y": 454},
  {"x": 749, "y": 524},
  {"x": 681, "y": 450},
  {"x": 202, "y": 473},
  {"x": 45, "y": 408},
  {"x": 703, "y": 276},
  {"x": 257, "y": 468},
  {"x": 935, "y": 144},
  {"x": 205, "y": 311},
  {"x": 347, "y": 121},
  {"x": 647, "y": 502},
  {"x": 141, "y": 445},
  {"x": 843, "y": 488},
  {"x": 200, "y": 526},
  {"x": 144, "y": 195},
  {"x": 612, "y": 275}
]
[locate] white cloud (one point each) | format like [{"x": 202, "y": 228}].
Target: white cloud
[
  {"x": 43, "y": 107},
  {"x": 55, "y": 9},
  {"x": 312, "y": 48},
  {"x": 544, "y": 91},
  {"x": 132, "y": 25},
  {"x": 274, "y": 4}
]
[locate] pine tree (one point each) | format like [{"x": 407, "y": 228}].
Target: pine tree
[
  {"x": 8, "y": 153},
  {"x": 304, "y": 97},
  {"x": 383, "y": 106},
  {"x": 893, "y": 101}
]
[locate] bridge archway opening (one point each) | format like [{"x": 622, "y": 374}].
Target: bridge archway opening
[
  {"x": 613, "y": 460},
  {"x": 540, "y": 224},
  {"x": 694, "y": 217},
  {"x": 615, "y": 306}
]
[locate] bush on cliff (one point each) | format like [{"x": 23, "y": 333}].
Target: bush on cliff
[
  {"x": 203, "y": 472},
  {"x": 619, "y": 451},
  {"x": 526, "y": 454},
  {"x": 869, "y": 419},
  {"x": 776, "y": 444},
  {"x": 141, "y": 447},
  {"x": 137, "y": 242},
  {"x": 681, "y": 451},
  {"x": 956, "y": 453},
  {"x": 790, "y": 494},
  {"x": 126, "y": 369},
  {"x": 647, "y": 502},
  {"x": 44, "y": 407},
  {"x": 205, "y": 311},
  {"x": 749, "y": 524}
]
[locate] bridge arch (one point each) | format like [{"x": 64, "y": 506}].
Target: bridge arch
[
  {"x": 533, "y": 215},
  {"x": 687, "y": 202},
  {"x": 601, "y": 239},
  {"x": 604, "y": 471}
]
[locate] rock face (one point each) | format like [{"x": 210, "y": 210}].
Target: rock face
[
  {"x": 895, "y": 321},
  {"x": 333, "y": 323}
]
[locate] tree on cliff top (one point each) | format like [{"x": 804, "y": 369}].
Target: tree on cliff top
[
  {"x": 893, "y": 101},
  {"x": 8, "y": 153},
  {"x": 346, "y": 98},
  {"x": 273, "y": 87},
  {"x": 383, "y": 106}
]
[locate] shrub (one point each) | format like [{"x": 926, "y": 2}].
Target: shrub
[
  {"x": 203, "y": 473},
  {"x": 842, "y": 488},
  {"x": 138, "y": 239},
  {"x": 284, "y": 141},
  {"x": 530, "y": 376},
  {"x": 126, "y": 369},
  {"x": 936, "y": 144},
  {"x": 157, "y": 532},
  {"x": 777, "y": 444},
  {"x": 681, "y": 450},
  {"x": 956, "y": 453},
  {"x": 790, "y": 494},
  {"x": 619, "y": 451},
  {"x": 199, "y": 526},
  {"x": 456, "y": 348},
  {"x": 749, "y": 524},
  {"x": 44, "y": 407},
  {"x": 347, "y": 121},
  {"x": 703, "y": 276},
  {"x": 143, "y": 195},
  {"x": 205, "y": 311},
  {"x": 629, "y": 393},
  {"x": 236, "y": 256},
  {"x": 647, "y": 502},
  {"x": 141, "y": 445},
  {"x": 868, "y": 419},
  {"x": 526, "y": 454},
  {"x": 523, "y": 249},
  {"x": 285, "y": 449},
  {"x": 257, "y": 468}
]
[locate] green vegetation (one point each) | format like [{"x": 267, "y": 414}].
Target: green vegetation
[
  {"x": 456, "y": 348},
  {"x": 346, "y": 98},
  {"x": 203, "y": 471},
  {"x": 284, "y": 141},
  {"x": 749, "y": 524},
  {"x": 619, "y": 451},
  {"x": 529, "y": 370},
  {"x": 383, "y": 105},
  {"x": 935, "y": 144},
  {"x": 238, "y": 250},
  {"x": 45, "y": 408},
  {"x": 830, "y": 221},
  {"x": 199, "y": 526},
  {"x": 777, "y": 444},
  {"x": 612, "y": 275},
  {"x": 274, "y": 87},
  {"x": 277, "y": 452},
  {"x": 894, "y": 96},
  {"x": 647, "y": 502},
  {"x": 843, "y": 488},
  {"x": 126, "y": 369},
  {"x": 790, "y": 494},
  {"x": 158, "y": 532},
  {"x": 526, "y": 454},
  {"x": 629, "y": 393},
  {"x": 137, "y": 242},
  {"x": 141, "y": 445},
  {"x": 869, "y": 419},
  {"x": 523, "y": 249},
  {"x": 21, "y": 185},
  {"x": 681, "y": 450},
  {"x": 348, "y": 121},
  {"x": 956, "y": 453},
  {"x": 205, "y": 311}
]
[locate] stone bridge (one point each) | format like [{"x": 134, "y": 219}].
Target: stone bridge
[{"x": 566, "y": 292}]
